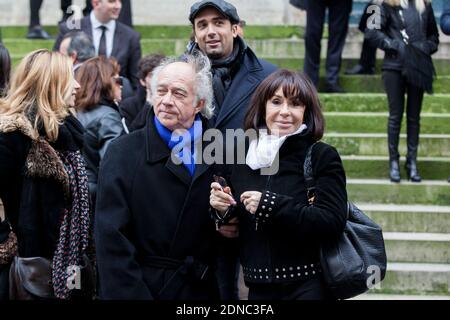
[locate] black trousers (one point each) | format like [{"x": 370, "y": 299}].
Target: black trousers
[
  {"x": 35, "y": 6},
  {"x": 396, "y": 88},
  {"x": 368, "y": 55},
  {"x": 338, "y": 20},
  {"x": 125, "y": 14},
  {"x": 312, "y": 289}
]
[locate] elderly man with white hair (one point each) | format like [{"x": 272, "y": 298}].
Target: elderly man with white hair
[{"x": 155, "y": 238}]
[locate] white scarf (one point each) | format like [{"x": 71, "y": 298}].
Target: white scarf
[{"x": 262, "y": 151}]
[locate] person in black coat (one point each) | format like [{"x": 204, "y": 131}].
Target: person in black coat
[
  {"x": 414, "y": 21},
  {"x": 155, "y": 238},
  {"x": 120, "y": 41},
  {"x": 43, "y": 181},
  {"x": 134, "y": 109},
  {"x": 280, "y": 233}
]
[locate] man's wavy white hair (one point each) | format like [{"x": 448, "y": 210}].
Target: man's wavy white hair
[{"x": 203, "y": 79}]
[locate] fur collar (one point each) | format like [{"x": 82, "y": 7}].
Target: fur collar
[{"x": 42, "y": 160}]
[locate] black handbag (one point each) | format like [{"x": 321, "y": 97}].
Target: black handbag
[
  {"x": 355, "y": 261},
  {"x": 30, "y": 278},
  {"x": 418, "y": 68}
]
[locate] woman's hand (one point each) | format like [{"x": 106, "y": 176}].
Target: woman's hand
[
  {"x": 231, "y": 229},
  {"x": 251, "y": 199},
  {"x": 220, "y": 200}
]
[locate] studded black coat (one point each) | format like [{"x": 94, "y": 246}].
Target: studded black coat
[{"x": 280, "y": 243}]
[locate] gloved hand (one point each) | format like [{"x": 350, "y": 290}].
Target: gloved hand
[{"x": 392, "y": 46}]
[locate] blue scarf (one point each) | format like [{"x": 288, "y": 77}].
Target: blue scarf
[{"x": 183, "y": 143}]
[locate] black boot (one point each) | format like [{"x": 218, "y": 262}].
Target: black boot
[
  {"x": 394, "y": 171},
  {"x": 411, "y": 170}
]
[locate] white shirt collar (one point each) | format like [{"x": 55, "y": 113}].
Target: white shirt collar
[{"x": 96, "y": 24}]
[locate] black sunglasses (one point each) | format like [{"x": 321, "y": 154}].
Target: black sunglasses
[{"x": 118, "y": 80}]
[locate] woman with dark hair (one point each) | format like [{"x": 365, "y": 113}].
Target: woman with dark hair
[
  {"x": 280, "y": 233},
  {"x": 98, "y": 111},
  {"x": 5, "y": 70},
  {"x": 408, "y": 34}
]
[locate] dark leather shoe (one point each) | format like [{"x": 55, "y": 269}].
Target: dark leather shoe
[
  {"x": 333, "y": 88},
  {"x": 38, "y": 33},
  {"x": 359, "y": 69},
  {"x": 394, "y": 171},
  {"x": 412, "y": 172}
]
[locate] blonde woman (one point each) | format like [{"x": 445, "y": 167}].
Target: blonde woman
[
  {"x": 409, "y": 36},
  {"x": 43, "y": 181}
]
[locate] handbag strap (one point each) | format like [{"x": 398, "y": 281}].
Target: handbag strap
[{"x": 403, "y": 31}]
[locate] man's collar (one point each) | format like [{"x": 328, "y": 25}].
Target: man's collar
[{"x": 96, "y": 23}]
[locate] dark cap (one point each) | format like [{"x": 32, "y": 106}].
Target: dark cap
[{"x": 227, "y": 9}]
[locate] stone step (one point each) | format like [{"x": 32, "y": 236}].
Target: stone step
[
  {"x": 374, "y": 84},
  {"x": 375, "y": 144},
  {"x": 382, "y": 191},
  {"x": 409, "y": 217},
  {"x": 377, "y": 167},
  {"x": 415, "y": 279},
  {"x": 417, "y": 247},
  {"x": 376, "y": 122},
  {"x": 442, "y": 66},
  {"x": 269, "y": 48},
  {"x": 377, "y": 102}
]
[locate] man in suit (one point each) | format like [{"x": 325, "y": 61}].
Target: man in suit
[
  {"x": 338, "y": 19},
  {"x": 110, "y": 37},
  {"x": 236, "y": 74}
]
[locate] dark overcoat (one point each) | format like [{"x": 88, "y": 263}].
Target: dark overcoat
[
  {"x": 251, "y": 72},
  {"x": 150, "y": 214}
]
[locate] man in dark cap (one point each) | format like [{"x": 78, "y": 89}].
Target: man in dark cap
[
  {"x": 236, "y": 74},
  {"x": 236, "y": 69}
]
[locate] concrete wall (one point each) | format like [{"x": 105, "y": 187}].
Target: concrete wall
[{"x": 167, "y": 12}]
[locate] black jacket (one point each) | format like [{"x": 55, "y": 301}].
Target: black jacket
[
  {"x": 421, "y": 29},
  {"x": 284, "y": 246},
  {"x": 148, "y": 206},
  {"x": 126, "y": 46},
  {"x": 102, "y": 125}
]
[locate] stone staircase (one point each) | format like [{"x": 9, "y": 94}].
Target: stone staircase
[{"x": 415, "y": 217}]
